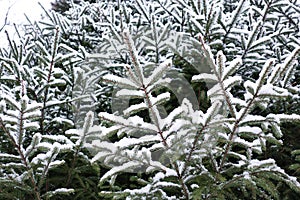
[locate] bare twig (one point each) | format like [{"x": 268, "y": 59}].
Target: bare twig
[{"x": 6, "y": 18}]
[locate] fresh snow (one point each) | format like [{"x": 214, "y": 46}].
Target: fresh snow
[
  {"x": 126, "y": 166},
  {"x": 135, "y": 108}
]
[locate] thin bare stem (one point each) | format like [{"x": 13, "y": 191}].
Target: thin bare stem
[{"x": 5, "y": 23}]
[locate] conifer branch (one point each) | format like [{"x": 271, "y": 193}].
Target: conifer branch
[
  {"x": 46, "y": 92},
  {"x": 242, "y": 115},
  {"x": 218, "y": 75},
  {"x": 151, "y": 108},
  {"x": 160, "y": 132},
  {"x": 87, "y": 125},
  {"x": 23, "y": 157},
  {"x": 233, "y": 20}
]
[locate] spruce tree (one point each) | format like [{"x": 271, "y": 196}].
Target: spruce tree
[
  {"x": 38, "y": 75},
  {"x": 190, "y": 100},
  {"x": 243, "y": 33}
]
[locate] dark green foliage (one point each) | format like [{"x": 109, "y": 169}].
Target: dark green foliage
[
  {"x": 76, "y": 173},
  {"x": 62, "y": 6}
]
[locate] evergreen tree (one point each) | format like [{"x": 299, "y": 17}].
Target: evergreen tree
[
  {"x": 212, "y": 154},
  {"x": 194, "y": 100},
  {"x": 38, "y": 78},
  {"x": 219, "y": 24},
  {"x": 30, "y": 86}
]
